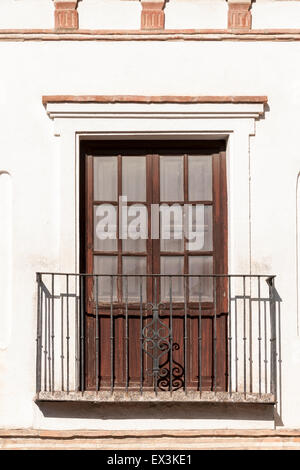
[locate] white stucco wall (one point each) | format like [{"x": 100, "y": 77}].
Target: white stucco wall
[
  {"x": 22, "y": 14},
  {"x": 109, "y": 14},
  {"x": 276, "y": 14},
  {"x": 30, "y": 153},
  {"x": 196, "y": 14}
]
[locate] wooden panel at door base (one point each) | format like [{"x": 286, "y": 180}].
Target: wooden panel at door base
[{"x": 112, "y": 355}]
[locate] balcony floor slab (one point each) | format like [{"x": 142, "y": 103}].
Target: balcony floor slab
[{"x": 160, "y": 397}]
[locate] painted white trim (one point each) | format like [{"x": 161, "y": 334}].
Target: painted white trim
[
  {"x": 155, "y": 110},
  {"x": 235, "y": 122}
]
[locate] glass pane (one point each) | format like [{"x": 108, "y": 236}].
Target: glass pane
[
  {"x": 131, "y": 285},
  {"x": 134, "y": 178},
  {"x": 105, "y": 178},
  {"x": 106, "y": 265},
  {"x": 201, "y": 235},
  {"x": 200, "y": 178},
  {"x": 105, "y": 228},
  {"x": 172, "y": 265},
  {"x": 137, "y": 232},
  {"x": 171, "y": 178},
  {"x": 203, "y": 286},
  {"x": 171, "y": 228},
  {"x": 134, "y": 246}
]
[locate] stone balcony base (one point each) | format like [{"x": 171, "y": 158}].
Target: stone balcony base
[{"x": 162, "y": 397}]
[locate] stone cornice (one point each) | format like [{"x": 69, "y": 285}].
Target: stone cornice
[
  {"x": 188, "y": 99},
  {"x": 152, "y": 107},
  {"x": 209, "y": 439},
  {"x": 138, "y": 35},
  {"x": 71, "y": 434}
]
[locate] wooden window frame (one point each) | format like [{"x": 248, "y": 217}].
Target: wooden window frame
[{"x": 153, "y": 253}]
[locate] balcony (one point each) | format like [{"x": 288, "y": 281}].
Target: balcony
[{"x": 203, "y": 338}]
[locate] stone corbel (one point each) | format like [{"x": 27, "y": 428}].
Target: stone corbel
[
  {"x": 66, "y": 14},
  {"x": 153, "y": 15},
  {"x": 239, "y": 14}
]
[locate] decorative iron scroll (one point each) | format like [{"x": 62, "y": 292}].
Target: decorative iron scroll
[
  {"x": 157, "y": 342},
  {"x": 173, "y": 379}
]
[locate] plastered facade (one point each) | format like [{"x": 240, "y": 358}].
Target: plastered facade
[{"x": 38, "y": 157}]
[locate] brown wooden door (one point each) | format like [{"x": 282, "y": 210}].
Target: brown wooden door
[{"x": 160, "y": 173}]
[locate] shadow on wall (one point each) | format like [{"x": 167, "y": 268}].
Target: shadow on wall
[{"x": 141, "y": 411}]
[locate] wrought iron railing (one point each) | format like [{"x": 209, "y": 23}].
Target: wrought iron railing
[{"x": 157, "y": 334}]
